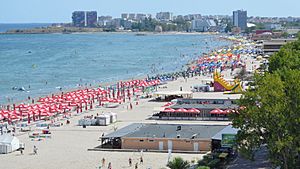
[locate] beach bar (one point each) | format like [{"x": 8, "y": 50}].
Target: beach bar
[
  {"x": 197, "y": 109},
  {"x": 162, "y": 137}
]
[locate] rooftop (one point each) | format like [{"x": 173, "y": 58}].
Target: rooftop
[
  {"x": 205, "y": 106},
  {"x": 187, "y": 131}
]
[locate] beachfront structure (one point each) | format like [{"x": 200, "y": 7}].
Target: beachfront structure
[
  {"x": 91, "y": 18},
  {"x": 217, "y": 144},
  {"x": 162, "y": 137},
  {"x": 274, "y": 45},
  {"x": 203, "y": 25},
  {"x": 206, "y": 101},
  {"x": 240, "y": 19},
  {"x": 78, "y": 18},
  {"x": 170, "y": 95},
  {"x": 8, "y": 143},
  {"x": 197, "y": 109},
  {"x": 164, "y": 16}
]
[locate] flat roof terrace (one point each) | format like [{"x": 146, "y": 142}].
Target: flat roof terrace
[{"x": 183, "y": 131}]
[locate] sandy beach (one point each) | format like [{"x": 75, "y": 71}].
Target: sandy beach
[{"x": 69, "y": 143}]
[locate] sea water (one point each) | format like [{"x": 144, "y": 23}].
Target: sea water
[{"x": 46, "y": 63}]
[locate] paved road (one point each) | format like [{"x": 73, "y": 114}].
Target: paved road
[{"x": 261, "y": 161}]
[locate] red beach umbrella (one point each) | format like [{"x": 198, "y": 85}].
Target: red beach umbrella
[
  {"x": 169, "y": 110},
  {"x": 216, "y": 111},
  {"x": 227, "y": 111},
  {"x": 193, "y": 110},
  {"x": 181, "y": 110}
]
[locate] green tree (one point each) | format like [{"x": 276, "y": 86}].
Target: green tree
[
  {"x": 178, "y": 163},
  {"x": 288, "y": 57},
  {"x": 271, "y": 114},
  {"x": 298, "y": 35}
]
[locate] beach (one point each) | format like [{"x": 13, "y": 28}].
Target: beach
[{"x": 68, "y": 146}]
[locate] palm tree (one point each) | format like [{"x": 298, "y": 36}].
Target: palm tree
[{"x": 178, "y": 163}]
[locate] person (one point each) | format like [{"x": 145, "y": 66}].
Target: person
[
  {"x": 35, "y": 150},
  {"x": 141, "y": 160},
  {"x": 103, "y": 162},
  {"x": 21, "y": 151},
  {"x": 130, "y": 161},
  {"x": 109, "y": 166},
  {"x": 136, "y": 166}
]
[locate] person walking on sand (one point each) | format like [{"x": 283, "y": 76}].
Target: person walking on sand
[
  {"x": 141, "y": 160},
  {"x": 130, "y": 162},
  {"x": 103, "y": 162},
  {"x": 35, "y": 150},
  {"x": 109, "y": 166},
  {"x": 136, "y": 166}
]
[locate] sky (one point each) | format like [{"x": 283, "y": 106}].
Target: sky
[{"x": 58, "y": 11}]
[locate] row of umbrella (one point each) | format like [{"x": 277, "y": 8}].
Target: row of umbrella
[
  {"x": 61, "y": 103},
  {"x": 181, "y": 110},
  {"x": 194, "y": 110},
  {"x": 140, "y": 83}
]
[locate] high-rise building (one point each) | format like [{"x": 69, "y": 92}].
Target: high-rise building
[
  {"x": 78, "y": 18},
  {"x": 141, "y": 17},
  {"x": 91, "y": 19},
  {"x": 164, "y": 16},
  {"x": 240, "y": 19},
  {"x": 103, "y": 18},
  {"x": 124, "y": 15},
  {"x": 131, "y": 16}
]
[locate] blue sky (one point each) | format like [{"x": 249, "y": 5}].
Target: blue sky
[{"x": 50, "y": 11}]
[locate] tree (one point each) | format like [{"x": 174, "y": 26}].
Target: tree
[
  {"x": 178, "y": 163},
  {"x": 271, "y": 110},
  {"x": 288, "y": 57},
  {"x": 285, "y": 35}
]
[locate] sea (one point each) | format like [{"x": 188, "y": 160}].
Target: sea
[{"x": 46, "y": 63}]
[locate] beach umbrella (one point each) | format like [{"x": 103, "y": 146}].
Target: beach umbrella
[
  {"x": 193, "y": 110},
  {"x": 181, "y": 110},
  {"x": 13, "y": 117},
  {"x": 216, "y": 111},
  {"x": 227, "y": 111},
  {"x": 168, "y": 104},
  {"x": 169, "y": 110}
]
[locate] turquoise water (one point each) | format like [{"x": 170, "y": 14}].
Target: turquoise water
[{"x": 43, "y": 63}]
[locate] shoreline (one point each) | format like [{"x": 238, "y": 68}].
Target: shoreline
[{"x": 85, "y": 30}]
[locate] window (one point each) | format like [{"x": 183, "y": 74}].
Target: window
[
  {"x": 151, "y": 140},
  {"x": 141, "y": 140}
]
